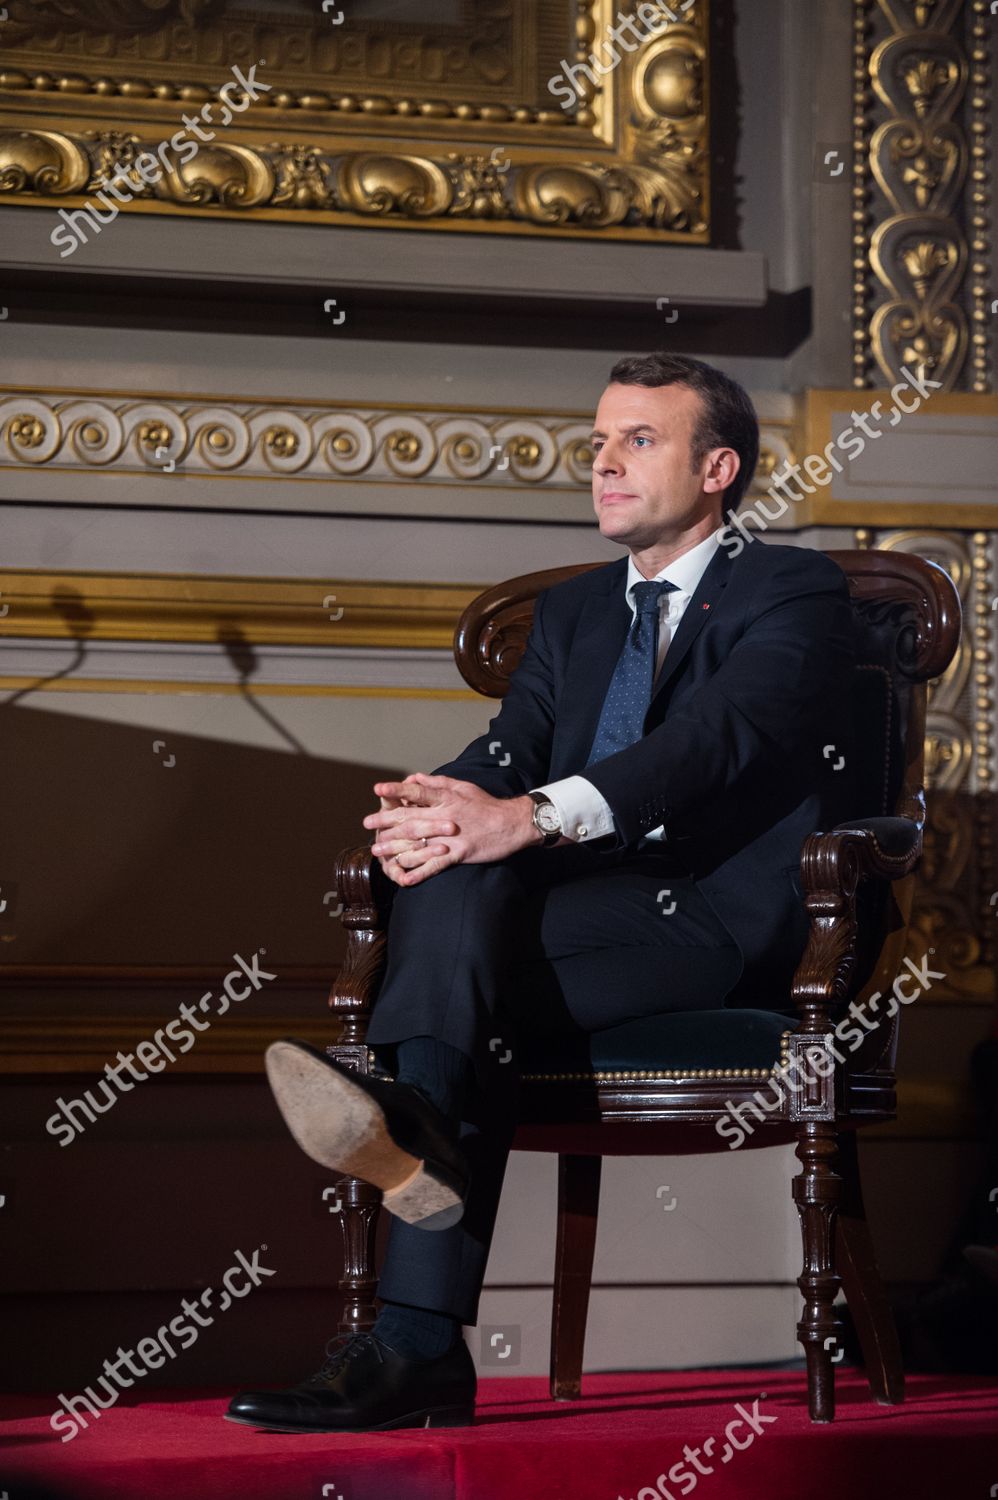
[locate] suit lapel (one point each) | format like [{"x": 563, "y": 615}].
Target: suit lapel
[
  {"x": 599, "y": 639},
  {"x": 695, "y": 616}
]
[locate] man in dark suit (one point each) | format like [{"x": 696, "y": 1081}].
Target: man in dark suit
[{"x": 676, "y": 728}]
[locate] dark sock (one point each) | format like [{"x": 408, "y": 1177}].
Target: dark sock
[
  {"x": 416, "y": 1333},
  {"x": 438, "y": 1070}
]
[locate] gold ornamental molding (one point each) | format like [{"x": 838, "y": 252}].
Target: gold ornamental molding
[
  {"x": 216, "y": 436},
  {"x": 920, "y": 190},
  {"x": 183, "y": 607},
  {"x": 941, "y": 472},
  {"x": 532, "y": 117},
  {"x": 210, "y": 437}
]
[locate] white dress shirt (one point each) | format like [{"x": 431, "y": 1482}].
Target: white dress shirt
[{"x": 584, "y": 811}]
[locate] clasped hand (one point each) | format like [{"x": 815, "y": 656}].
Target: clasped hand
[{"x": 427, "y": 823}]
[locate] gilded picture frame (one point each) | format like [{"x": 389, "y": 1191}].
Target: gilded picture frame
[{"x": 533, "y": 117}]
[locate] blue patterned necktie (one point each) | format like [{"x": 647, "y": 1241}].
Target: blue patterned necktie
[{"x": 629, "y": 693}]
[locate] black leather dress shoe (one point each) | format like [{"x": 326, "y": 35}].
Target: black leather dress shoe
[
  {"x": 366, "y": 1387},
  {"x": 385, "y": 1133}
]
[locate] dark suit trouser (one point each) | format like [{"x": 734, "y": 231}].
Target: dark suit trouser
[{"x": 555, "y": 942}]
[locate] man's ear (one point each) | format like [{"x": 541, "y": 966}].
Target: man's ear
[{"x": 722, "y": 468}]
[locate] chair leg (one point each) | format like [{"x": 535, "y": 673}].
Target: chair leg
[
  {"x": 578, "y": 1206},
  {"x": 816, "y": 1193},
  {"x": 864, "y": 1289},
  {"x": 360, "y": 1207}
]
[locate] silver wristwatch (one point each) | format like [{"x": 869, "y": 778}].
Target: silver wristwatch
[{"x": 546, "y": 818}]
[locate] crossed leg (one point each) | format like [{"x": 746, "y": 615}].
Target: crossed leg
[{"x": 540, "y": 945}]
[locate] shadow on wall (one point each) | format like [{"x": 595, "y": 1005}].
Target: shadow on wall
[{"x": 127, "y": 846}]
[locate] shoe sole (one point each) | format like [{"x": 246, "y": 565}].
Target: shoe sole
[
  {"x": 339, "y": 1125},
  {"x": 444, "y": 1416}
]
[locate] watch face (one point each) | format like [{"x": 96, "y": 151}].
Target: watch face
[{"x": 548, "y": 820}]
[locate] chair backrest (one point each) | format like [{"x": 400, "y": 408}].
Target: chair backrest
[{"x": 907, "y": 614}]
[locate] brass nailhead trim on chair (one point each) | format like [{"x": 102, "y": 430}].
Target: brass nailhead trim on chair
[{"x": 604, "y": 1077}]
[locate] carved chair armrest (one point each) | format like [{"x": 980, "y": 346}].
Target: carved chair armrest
[
  {"x": 887, "y": 847},
  {"x": 832, "y": 865},
  {"x": 366, "y": 897}
]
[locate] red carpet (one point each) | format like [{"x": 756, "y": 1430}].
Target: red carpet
[{"x": 625, "y": 1432}]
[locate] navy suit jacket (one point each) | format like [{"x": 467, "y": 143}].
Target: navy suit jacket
[{"x": 743, "y": 743}]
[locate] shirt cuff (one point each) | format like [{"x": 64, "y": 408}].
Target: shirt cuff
[{"x": 584, "y": 812}]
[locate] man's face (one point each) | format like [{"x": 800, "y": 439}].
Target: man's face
[{"x": 644, "y": 488}]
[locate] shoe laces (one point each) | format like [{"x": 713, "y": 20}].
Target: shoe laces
[{"x": 344, "y": 1347}]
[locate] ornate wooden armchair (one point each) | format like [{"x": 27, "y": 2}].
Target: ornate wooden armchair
[{"x": 660, "y": 1086}]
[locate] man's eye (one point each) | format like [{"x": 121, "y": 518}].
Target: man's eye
[{"x": 640, "y": 439}]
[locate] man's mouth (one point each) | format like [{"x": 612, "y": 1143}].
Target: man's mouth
[{"x": 610, "y": 497}]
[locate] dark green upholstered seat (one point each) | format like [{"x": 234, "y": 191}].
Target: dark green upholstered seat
[{"x": 675, "y": 1043}]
